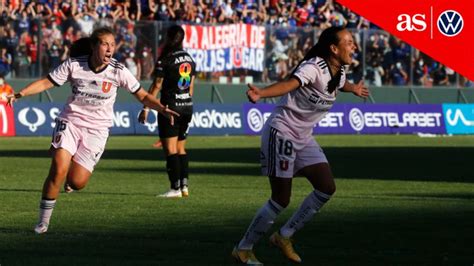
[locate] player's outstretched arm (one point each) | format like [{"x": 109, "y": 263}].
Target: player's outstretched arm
[
  {"x": 155, "y": 87},
  {"x": 151, "y": 101},
  {"x": 32, "y": 89},
  {"x": 276, "y": 89},
  {"x": 358, "y": 89}
]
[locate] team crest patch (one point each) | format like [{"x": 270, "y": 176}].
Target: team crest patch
[{"x": 283, "y": 165}]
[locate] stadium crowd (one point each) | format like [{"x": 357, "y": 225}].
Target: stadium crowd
[{"x": 35, "y": 36}]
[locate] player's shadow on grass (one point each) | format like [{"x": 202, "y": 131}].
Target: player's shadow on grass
[
  {"x": 19, "y": 190},
  {"x": 361, "y": 236},
  {"x": 220, "y": 155},
  {"x": 391, "y": 163},
  {"x": 403, "y": 163},
  {"x": 193, "y": 170},
  {"x": 450, "y": 164}
]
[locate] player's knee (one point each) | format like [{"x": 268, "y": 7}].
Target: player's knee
[
  {"x": 328, "y": 189},
  {"x": 282, "y": 201},
  {"x": 77, "y": 185}
]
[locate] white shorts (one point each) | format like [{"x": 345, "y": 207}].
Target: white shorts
[
  {"x": 86, "y": 145},
  {"x": 283, "y": 156}
]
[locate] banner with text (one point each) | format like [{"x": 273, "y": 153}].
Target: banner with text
[
  {"x": 362, "y": 119},
  {"x": 226, "y": 47},
  {"x": 38, "y": 119}
]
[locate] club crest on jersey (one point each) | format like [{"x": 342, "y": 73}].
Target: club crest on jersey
[
  {"x": 283, "y": 165},
  {"x": 106, "y": 86}
]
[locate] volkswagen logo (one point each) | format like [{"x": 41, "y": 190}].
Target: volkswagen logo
[{"x": 450, "y": 23}]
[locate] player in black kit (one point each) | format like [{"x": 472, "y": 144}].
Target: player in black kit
[{"x": 174, "y": 77}]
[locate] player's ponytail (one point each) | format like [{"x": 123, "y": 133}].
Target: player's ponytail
[
  {"x": 81, "y": 47},
  {"x": 174, "y": 40}
]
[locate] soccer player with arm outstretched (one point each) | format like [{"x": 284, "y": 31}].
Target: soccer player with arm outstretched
[
  {"x": 82, "y": 127},
  {"x": 288, "y": 147}
]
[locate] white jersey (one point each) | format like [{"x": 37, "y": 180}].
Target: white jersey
[
  {"x": 300, "y": 110},
  {"x": 93, "y": 93}
]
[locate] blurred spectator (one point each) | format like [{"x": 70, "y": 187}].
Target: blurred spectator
[
  {"x": 22, "y": 23},
  {"x": 5, "y": 62},
  {"x": 280, "y": 47},
  {"x": 439, "y": 75},
  {"x": 132, "y": 63},
  {"x": 146, "y": 63},
  {"x": 5, "y": 89},
  {"x": 281, "y": 67},
  {"x": 32, "y": 53},
  {"x": 57, "y": 53},
  {"x": 451, "y": 76},
  {"x": 86, "y": 20},
  {"x": 374, "y": 73},
  {"x": 420, "y": 73},
  {"x": 21, "y": 63},
  {"x": 398, "y": 75},
  {"x": 401, "y": 51},
  {"x": 162, "y": 11}
]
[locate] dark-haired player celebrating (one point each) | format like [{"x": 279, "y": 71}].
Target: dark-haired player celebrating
[
  {"x": 174, "y": 77},
  {"x": 82, "y": 127},
  {"x": 287, "y": 145}
]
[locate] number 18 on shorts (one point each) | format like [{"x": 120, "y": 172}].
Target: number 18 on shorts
[{"x": 283, "y": 156}]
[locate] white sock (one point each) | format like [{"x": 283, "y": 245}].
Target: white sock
[
  {"x": 45, "y": 211},
  {"x": 262, "y": 221},
  {"x": 311, "y": 205}
]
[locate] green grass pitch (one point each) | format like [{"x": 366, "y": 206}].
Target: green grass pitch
[{"x": 400, "y": 200}]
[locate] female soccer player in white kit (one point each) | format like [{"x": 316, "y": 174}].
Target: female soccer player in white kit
[
  {"x": 288, "y": 147},
  {"x": 82, "y": 127}
]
